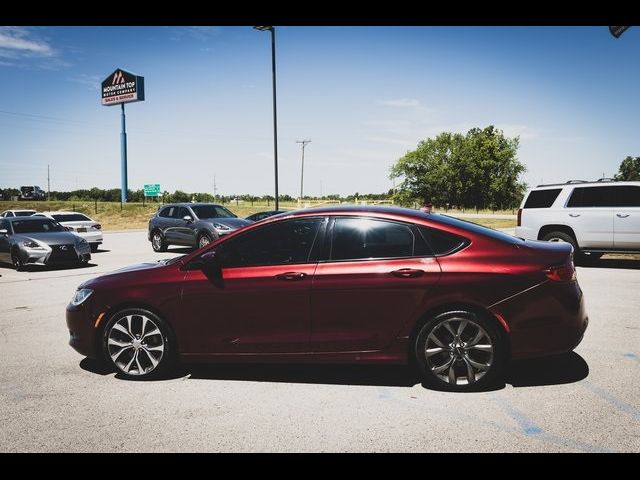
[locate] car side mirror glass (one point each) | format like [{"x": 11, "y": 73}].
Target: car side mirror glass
[{"x": 4, "y": 231}]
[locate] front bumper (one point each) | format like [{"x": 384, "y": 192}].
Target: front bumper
[
  {"x": 546, "y": 320},
  {"x": 55, "y": 254},
  {"x": 83, "y": 330}
]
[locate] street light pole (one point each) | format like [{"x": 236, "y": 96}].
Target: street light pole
[
  {"x": 304, "y": 144},
  {"x": 275, "y": 114}
]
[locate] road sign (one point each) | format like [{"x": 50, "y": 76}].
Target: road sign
[
  {"x": 152, "y": 190},
  {"x": 122, "y": 87}
]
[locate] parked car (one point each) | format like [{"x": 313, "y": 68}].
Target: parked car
[
  {"x": 40, "y": 241},
  {"x": 256, "y": 217},
  {"x": 594, "y": 217},
  {"x": 79, "y": 224},
  {"x": 341, "y": 285},
  {"x": 191, "y": 225},
  {"x": 16, "y": 213}
]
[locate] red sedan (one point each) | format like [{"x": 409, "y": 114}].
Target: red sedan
[{"x": 345, "y": 284}]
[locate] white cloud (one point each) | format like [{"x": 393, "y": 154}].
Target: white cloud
[
  {"x": 16, "y": 42},
  {"x": 401, "y": 103}
]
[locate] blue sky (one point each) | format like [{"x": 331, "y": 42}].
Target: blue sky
[{"x": 364, "y": 95}]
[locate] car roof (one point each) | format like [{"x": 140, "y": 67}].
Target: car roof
[
  {"x": 358, "y": 209},
  {"x": 580, "y": 183},
  {"x": 19, "y": 210},
  {"x": 65, "y": 213},
  {"x": 27, "y": 219},
  {"x": 188, "y": 204}
]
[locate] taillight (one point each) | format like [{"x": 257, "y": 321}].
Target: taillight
[
  {"x": 97, "y": 226},
  {"x": 561, "y": 273},
  {"x": 519, "y": 224}
]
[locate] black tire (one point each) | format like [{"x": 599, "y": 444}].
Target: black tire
[
  {"x": 204, "y": 239},
  {"x": 436, "y": 367},
  {"x": 122, "y": 357},
  {"x": 16, "y": 261},
  {"x": 158, "y": 242},
  {"x": 562, "y": 237},
  {"x": 94, "y": 247}
]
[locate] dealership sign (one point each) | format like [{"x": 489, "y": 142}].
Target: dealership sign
[{"x": 122, "y": 87}]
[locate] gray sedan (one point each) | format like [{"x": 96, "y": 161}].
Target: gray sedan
[
  {"x": 191, "y": 225},
  {"x": 40, "y": 241}
]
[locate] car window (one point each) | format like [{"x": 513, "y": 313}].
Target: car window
[
  {"x": 70, "y": 217},
  {"x": 439, "y": 242},
  {"x": 37, "y": 226},
  {"x": 4, "y": 225},
  {"x": 166, "y": 212},
  {"x": 360, "y": 238},
  {"x": 25, "y": 213},
  {"x": 542, "y": 198},
  {"x": 594, "y": 197},
  {"x": 178, "y": 212},
  {"x": 627, "y": 196},
  {"x": 282, "y": 243}
]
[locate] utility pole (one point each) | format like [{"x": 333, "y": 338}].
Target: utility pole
[
  {"x": 304, "y": 144},
  {"x": 215, "y": 188},
  {"x": 48, "y": 184}
]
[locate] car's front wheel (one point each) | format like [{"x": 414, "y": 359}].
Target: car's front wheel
[
  {"x": 204, "y": 239},
  {"x": 459, "y": 351},
  {"x": 16, "y": 261},
  {"x": 138, "y": 343},
  {"x": 158, "y": 243}
]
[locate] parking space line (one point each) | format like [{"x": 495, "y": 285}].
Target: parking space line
[{"x": 612, "y": 399}]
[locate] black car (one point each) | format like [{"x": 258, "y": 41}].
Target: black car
[
  {"x": 191, "y": 225},
  {"x": 256, "y": 217}
]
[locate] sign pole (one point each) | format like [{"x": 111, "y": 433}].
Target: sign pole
[{"x": 123, "y": 157}]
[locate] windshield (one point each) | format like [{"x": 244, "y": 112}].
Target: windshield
[
  {"x": 71, "y": 217},
  {"x": 211, "y": 211},
  {"x": 37, "y": 226}
]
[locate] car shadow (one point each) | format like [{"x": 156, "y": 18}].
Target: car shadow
[
  {"x": 621, "y": 263},
  {"x": 48, "y": 268},
  {"x": 101, "y": 250},
  {"x": 556, "y": 370}
]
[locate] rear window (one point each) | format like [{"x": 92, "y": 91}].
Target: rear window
[
  {"x": 475, "y": 228},
  {"x": 71, "y": 217},
  {"x": 542, "y": 198}
]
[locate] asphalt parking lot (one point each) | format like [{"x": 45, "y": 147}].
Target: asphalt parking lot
[{"x": 51, "y": 399}]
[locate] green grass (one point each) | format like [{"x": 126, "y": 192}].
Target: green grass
[{"x": 137, "y": 215}]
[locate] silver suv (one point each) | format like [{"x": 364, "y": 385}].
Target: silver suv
[
  {"x": 595, "y": 217},
  {"x": 191, "y": 225}
]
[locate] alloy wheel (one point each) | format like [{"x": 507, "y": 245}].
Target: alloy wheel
[
  {"x": 459, "y": 351},
  {"x": 204, "y": 241},
  {"x": 135, "y": 344},
  {"x": 156, "y": 241}
]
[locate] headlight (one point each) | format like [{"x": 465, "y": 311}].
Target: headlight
[
  {"x": 219, "y": 226},
  {"x": 80, "y": 296},
  {"x": 32, "y": 244}
]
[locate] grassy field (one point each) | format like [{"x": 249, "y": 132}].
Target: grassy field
[{"x": 137, "y": 215}]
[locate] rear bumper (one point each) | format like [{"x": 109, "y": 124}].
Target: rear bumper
[{"x": 546, "y": 320}]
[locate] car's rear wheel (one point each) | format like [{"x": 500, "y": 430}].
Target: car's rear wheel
[
  {"x": 138, "y": 343},
  {"x": 16, "y": 261},
  {"x": 204, "y": 239},
  {"x": 562, "y": 237},
  {"x": 158, "y": 243},
  {"x": 459, "y": 351}
]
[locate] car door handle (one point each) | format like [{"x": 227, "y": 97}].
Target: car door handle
[
  {"x": 408, "y": 273},
  {"x": 574, "y": 215},
  {"x": 291, "y": 276},
  {"x": 622, "y": 215}
]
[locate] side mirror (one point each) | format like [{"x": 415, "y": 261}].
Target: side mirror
[
  {"x": 4, "y": 231},
  {"x": 187, "y": 218}
]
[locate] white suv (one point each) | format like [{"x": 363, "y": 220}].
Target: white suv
[{"x": 595, "y": 217}]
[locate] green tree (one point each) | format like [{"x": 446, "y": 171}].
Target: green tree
[
  {"x": 629, "y": 169},
  {"x": 479, "y": 169}
]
